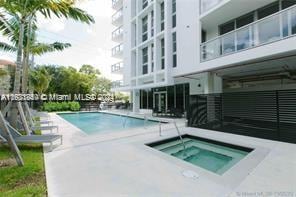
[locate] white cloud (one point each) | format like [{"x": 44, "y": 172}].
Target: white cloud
[
  {"x": 53, "y": 25},
  {"x": 97, "y": 8},
  {"x": 90, "y": 44}
]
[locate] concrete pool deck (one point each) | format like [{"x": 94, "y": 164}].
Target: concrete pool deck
[{"x": 120, "y": 164}]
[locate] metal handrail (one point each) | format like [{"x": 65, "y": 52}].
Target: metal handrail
[
  {"x": 126, "y": 117},
  {"x": 180, "y": 136}
]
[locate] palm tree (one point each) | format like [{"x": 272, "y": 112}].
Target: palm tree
[
  {"x": 40, "y": 80},
  {"x": 24, "y": 11},
  {"x": 33, "y": 47}
]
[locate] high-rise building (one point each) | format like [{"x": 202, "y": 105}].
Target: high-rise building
[{"x": 177, "y": 48}]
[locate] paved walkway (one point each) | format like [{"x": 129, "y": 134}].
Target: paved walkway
[{"x": 120, "y": 164}]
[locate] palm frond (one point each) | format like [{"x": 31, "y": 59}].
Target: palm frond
[
  {"x": 66, "y": 9},
  {"x": 7, "y": 48},
  {"x": 42, "y": 48}
]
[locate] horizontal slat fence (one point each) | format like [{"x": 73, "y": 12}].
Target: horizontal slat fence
[{"x": 264, "y": 114}]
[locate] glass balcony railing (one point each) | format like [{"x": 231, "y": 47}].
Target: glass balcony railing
[
  {"x": 114, "y": 2},
  {"x": 270, "y": 29},
  {"x": 117, "y": 84},
  {"x": 117, "y": 32},
  {"x": 117, "y": 50},
  {"x": 116, "y": 67},
  {"x": 117, "y": 15}
]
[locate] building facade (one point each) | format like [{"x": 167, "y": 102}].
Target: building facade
[{"x": 177, "y": 48}]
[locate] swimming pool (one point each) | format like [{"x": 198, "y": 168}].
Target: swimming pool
[
  {"x": 211, "y": 155},
  {"x": 96, "y": 122}
]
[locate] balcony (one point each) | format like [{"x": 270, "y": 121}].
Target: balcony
[
  {"x": 117, "y": 35},
  {"x": 117, "y": 18},
  {"x": 117, "y": 4},
  {"x": 117, "y": 68},
  {"x": 207, "y": 5},
  {"x": 217, "y": 12},
  {"x": 117, "y": 51},
  {"x": 117, "y": 84},
  {"x": 271, "y": 29}
]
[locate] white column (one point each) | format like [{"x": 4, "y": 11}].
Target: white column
[{"x": 136, "y": 101}]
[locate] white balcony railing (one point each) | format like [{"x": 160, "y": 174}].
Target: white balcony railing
[
  {"x": 270, "y": 29},
  {"x": 116, "y": 2},
  {"x": 117, "y": 16},
  {"x": 117, "y": 84},
  {"x": 117, "y": 33},
  {"x": 117, "y": 50},
  {"x": 117, "y": 68}
]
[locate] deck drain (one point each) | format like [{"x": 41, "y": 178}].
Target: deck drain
[{"x": 190, "y": 174}]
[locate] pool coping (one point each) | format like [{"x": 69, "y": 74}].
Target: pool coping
[
  {"x": 232, "y": 177},
  {"x": 149, "y": 118}
]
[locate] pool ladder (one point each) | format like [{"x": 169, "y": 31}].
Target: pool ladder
[
  {"x": 180, "y": 136},
  {"x": 125, "y": 119},
  {"x": 178, "y": 132}
]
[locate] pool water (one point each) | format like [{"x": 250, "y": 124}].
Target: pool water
[
  {"x": 210, "y": 155},
  {"x": 93, "y": 123}
]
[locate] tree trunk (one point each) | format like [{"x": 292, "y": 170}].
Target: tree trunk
[
  {"x": 26, "y": 59},
  {"x": 17, "y": 77}
]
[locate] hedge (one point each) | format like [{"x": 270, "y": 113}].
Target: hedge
[{"x": 61, "y": 106}]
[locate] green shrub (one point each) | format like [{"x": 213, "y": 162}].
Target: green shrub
[
  {"x": 74, "y": 106},
  {"x": 61, "y": 106}
]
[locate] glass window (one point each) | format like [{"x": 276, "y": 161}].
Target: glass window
[
  {"x": 186, "y": 86},
  {"x": 144, "y": 3},
  {"x": 145, "y": 60},
  {"x": 174, "y": 13},
  {"x": 203, "y": 36},
  {"x": 162, "y": 54},
  {"x": 150, "y": 99},
  {"x": 152, "y": 57},
  {"x": 268, "y": 10},
  {"x": 144, "y": 99},
  {"x": 245, "y": 20},
  {"x": 288, "y": 3},
  {"x": 180, "y": 96},
  {"x": 171, "y": 96},
  {"x": 175, "y": 60},
  {"x": 228, "y": 27},
  {"x": 145, "y": 28},
  {"x": 162, "y": 16},
  {"x": 174, "y": 36},
  {"x": 174, "y": 42},
  {"x": 152, "y": 23}
]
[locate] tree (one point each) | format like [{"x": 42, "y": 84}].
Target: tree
[
  {"x": 102, "y": 85},
  {"x": 89, "y": 70},
  {"x": 120, "y": 96},
  {"x": 40, "y": 80},
  {"x": 2, "y": 73},
  {"x": 32, "y": 46},
  {"x": 24, "y": 11},
  {"x": 76, "y": 82}
]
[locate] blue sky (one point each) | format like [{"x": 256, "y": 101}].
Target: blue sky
[{"x": 91, "y": 44}]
